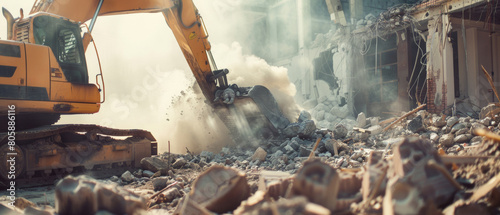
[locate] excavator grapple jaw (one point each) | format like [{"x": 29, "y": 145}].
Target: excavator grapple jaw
[
  {"x": 253, "y": 112},
  {"x": 268, "y": 106}
]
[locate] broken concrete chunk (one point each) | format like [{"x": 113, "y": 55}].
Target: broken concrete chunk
[
  {"x": 434, "y": 137},
  {"x": 84, "y": 195},
  {"x": 363, "y": 136},
  {"x": 340, "y": 131},
  {"x": 304, "y": 115},
  {"x": 486, "y": 121},
  {"x": 22, "y": 203},
  {"x": 179, "y": 163},
  {"x": 452, "y": 121},
  {"x": 154, "y": 164},
  {"x": 304, "y": 152},
  {"x": 416, "y": 125},
  {"x": 127, "y": 176},
  {"x": 292, "y": 130},
  {"x": 138, "y": 173},
  {"x": 187, "y": 206},
  {"x": 117, "y": 200},
  {"x": 374, "y": 179},
  {"x": 307, "y": 129},
  {"x": 462, "y": 138},
  {"x": 361, "y": 120},
  {"x": 225, "y": 151},
  {"x": 304, "y": 129},
  {"x": 447, "y": 140},
  {"x": 296, "y": 205},
  {"x": 220, "y": 189},
  {"x": 207, "y": 156},
  {"x": 457, "y": 127},
  {"x": 374, "y": 130},
  {"x": 147, "y": 173},
  {"x": 340, "y": 112},
  {"x": 438, "y": 121},
  {"x": 159, "y": 183},
  {"x": 275, "y": 183},
  {"x": 260, "y": 154},
  {"x": 317, "y": 181},
  {"x": 253, "y": 203},
  {"x": 331, "y": 146},
  {"x": 348, "y": 193},
  {"x": 401, "y": 198},
  {"x": 418, "y": 175},
  {"x": 76, "y": 196},
  {"x": 489, "y": 110},
  {"x": 288, "y": 149},
  {"x": 374, "y": 120}
]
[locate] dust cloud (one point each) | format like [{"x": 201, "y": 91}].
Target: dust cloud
[
  {"x": 249, "y": 70},
  {"x": 197, "y": 127}
]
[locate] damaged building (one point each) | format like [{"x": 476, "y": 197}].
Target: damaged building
[{"x": 382, "y": 57}]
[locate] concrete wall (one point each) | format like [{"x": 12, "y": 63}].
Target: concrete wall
[{"x": 480, "y": 49}]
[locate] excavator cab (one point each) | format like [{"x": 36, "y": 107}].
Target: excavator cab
[
  {"x": 63, "y": 37},
  {"x": 43, "y": 71}
]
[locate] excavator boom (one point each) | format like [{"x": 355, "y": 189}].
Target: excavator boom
[{"x": 185, "y": 22}]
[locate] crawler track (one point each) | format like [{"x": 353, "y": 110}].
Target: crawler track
[{"x": 46, "y": 153}]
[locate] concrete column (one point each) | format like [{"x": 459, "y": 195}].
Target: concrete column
[
  {"x": 472, "y": 64},
  {"x": 449, "y": 82},
  {"x": 356, "y": 10},
  {"x": 440, "y": 85}
]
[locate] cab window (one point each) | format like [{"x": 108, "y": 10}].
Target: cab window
[{"x": 67, "y": 47}]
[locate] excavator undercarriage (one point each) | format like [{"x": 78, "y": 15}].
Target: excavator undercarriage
[{"x": 59, "y": 149}]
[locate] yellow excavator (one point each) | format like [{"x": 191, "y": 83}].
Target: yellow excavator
[{"x": 43, "y": 74}]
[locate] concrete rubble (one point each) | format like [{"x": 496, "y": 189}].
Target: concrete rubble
[{"x": 448, "y": 165}]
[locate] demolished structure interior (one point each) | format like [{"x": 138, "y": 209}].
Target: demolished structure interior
[{"x": 384, "y": 57}]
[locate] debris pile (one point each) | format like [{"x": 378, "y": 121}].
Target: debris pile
[
  {"x": 419, "y": 163},
  {"x": 331, "y": 111}
]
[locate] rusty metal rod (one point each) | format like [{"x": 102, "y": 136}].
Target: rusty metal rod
[
  {"x": 168, "y": 158},
  {"x": 487, "y": 134},
  {"x": 163, "y": 190},
  {"x": 445, "y": 173},
  {"x": 311, "y": 155},
  {"x": 491, "y": 82},
  {"x": 462, "y": 160}
]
